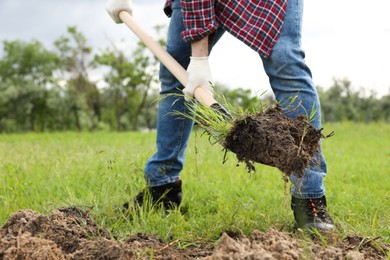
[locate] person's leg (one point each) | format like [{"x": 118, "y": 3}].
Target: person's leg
[
  {"x": 289, "y": 76},
  {"x": 173, "y": 131},
  {"x": 162, "y": 170}
]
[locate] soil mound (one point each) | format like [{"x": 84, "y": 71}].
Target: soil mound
[
  {"x": 275, "y": 244},
  {"x": 273, "y": 139},
  {"x": 70, "y": 233}
]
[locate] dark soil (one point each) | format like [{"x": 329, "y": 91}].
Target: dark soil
[
  {"x": 70, "y": 233},
  {"x": 273, "y": 139}
]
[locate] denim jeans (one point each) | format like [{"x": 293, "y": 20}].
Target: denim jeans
[{"x": 288, "y": 74}]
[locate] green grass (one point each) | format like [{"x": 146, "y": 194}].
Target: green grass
[{"x": 102, "y": 170}]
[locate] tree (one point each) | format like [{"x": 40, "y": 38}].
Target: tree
[
  {"x": 130, "y": 80},
  {"x": 342, "y": 103},
  {"x": 337, "y": 102},
  {"x": 76, "y": 63},
  {"x": 26, "y": 75},
  {"x": 384, "y": 107}
]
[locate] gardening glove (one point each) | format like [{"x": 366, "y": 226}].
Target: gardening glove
[
  {"x": 198, "y": 75},
  {"x": 114, "y": 7}
]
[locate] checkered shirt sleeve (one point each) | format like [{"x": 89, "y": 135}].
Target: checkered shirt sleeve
[{"x": 257, "y": 23}]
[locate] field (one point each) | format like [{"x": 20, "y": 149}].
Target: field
[{"x": 98, "y": 172}]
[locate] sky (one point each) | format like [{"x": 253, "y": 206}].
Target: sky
[{"x": 348, "y": 39}]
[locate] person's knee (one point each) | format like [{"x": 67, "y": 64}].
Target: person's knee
[{"x": 286, "y": 55}]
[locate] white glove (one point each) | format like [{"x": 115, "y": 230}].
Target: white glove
[
  {"x": 198, "y": 75},
  {"x": 114, "y": 7}
]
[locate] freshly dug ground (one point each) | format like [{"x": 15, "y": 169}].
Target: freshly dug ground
[
  {"x": 273, "y": 139},
  {"x": 70, "y": 233}
]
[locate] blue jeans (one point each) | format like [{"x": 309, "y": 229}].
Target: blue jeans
[{"x": 288, "y": 75}]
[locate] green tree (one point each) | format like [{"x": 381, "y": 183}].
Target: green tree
[
  {"x": 342, "y": 103},
  {"x": 244, "y": 98},
  {"x": 337, "y": 103},
  {"x": 26, "y": 76},
  {"x": 130, "y": 80},
  {"x": 384, "y": 107},
  {"x": 76, "y": 64}
]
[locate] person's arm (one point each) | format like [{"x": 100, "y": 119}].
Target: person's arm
[
  {"x": 199, "y": 21},
  {"x": 198, "y": 71},
  {"x": 199, "y": 75},
  {"x": 200, "y": 48}
]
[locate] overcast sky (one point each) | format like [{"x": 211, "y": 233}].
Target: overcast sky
[{"x": 342, "y": 38}]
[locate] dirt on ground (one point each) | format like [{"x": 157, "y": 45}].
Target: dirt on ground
[
  {"x": 70, "y": 233},
  {"x": 273, "y": 139}
]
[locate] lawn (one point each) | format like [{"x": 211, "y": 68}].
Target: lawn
[{"x": 101, "y": 171}]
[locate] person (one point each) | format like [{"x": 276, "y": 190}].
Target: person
[{"x": 272, "y": 29}]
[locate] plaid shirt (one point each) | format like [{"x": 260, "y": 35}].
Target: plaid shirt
[{"x": 255, "y": 22}]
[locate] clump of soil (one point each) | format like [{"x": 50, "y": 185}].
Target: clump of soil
[
  {"x": 70, "y": 233},
  {"x": 273, "y": 139}
]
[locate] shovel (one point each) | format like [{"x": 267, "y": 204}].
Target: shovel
[{"x": 200, "y": 94}]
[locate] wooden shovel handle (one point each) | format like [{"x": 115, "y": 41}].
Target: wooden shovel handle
[{"x": 165, "y": 58}]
